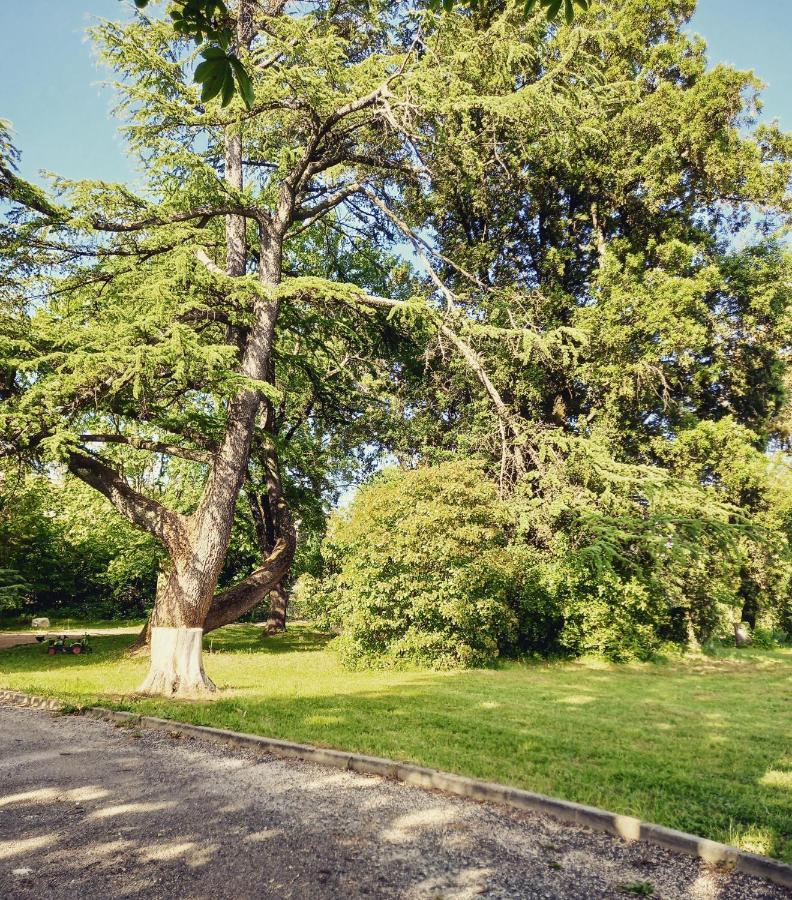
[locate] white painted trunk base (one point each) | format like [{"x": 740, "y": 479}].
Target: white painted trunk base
[{"x": 176, "y": 668}]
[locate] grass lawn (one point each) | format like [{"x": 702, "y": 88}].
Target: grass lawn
[{"x": 702, "y": 744}]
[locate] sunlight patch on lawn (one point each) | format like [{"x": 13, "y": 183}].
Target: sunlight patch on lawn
[
  {"x": 577, "y": 699},
  {"x": 753, "y": 839},
  {"x": 663, "y": 742},
  {"x": 776, "y": 778}
]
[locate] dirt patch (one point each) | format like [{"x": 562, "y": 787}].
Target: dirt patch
[{"x": 15, "y": 638}]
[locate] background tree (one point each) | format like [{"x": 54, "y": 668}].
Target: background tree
[{"x": 639, "y": 216}]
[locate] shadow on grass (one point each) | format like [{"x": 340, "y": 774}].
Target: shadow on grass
[
  {"x": 237, "y": 639},
  {"x": 34, "y": 656},
  {"x": 698, "y": 775},
  {"x": 253, "y": 639}
]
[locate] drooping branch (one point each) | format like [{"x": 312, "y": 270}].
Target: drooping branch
[
  {"x": 516, "y": 427},
  {"x": 417, "y": 241},
  {"x": 229, "y": 605}
]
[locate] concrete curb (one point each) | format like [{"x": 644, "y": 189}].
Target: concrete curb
[{"x": 625, "y": 827}]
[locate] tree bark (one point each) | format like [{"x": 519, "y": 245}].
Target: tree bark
[
  {"x": 279, "y": 600},
  {"x": 176, "y": 668}
]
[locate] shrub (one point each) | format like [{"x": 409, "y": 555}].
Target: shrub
[
  {"x": 593, "y": 557},
  {"x": 422, "y": 571}
]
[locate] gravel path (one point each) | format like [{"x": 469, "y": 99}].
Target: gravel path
[{"x": 92, "y": 810}]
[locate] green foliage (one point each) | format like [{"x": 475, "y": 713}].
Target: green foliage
[
  {"x": 207, "y": 22},
  {"x": 422, "y": 571},
  {"x": 14, "y": 590},
  {"x": 588, "y": 184},
  {"x": 430, "y": 566},
  {"x": 72, "y": 552},
  {"x": 222, "y": 72},
  {"x": 639, "y": 888}
]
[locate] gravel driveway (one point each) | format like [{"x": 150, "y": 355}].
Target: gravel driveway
[{"x": 92, "y": 810}]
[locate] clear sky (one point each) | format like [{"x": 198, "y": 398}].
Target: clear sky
[{"x": 49, "y": 86}]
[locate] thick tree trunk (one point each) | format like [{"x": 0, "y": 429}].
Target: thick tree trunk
[
  {"x": 184, "y": 592},
  {"x": 176, "y": 668},
  {"x": 279, "y": 600}
]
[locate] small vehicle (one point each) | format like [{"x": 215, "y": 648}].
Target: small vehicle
[{"x": 63, "y": 644}]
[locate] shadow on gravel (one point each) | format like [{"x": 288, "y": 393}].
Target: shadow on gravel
[{"x": 91, "y": 811}]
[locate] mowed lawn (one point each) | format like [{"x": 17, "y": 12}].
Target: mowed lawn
[{"x": 702, "y": 744}]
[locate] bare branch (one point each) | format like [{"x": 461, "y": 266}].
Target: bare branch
[
  {"x": 416, "y": 240},
  {"x": 202, "y": 456},
  {"x": 318, "y": 209}
]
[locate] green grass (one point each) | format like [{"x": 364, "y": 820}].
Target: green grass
[{"x": 702, "y": 744}]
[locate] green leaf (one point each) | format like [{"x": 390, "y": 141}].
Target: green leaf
[
  {"x": 243, "y": 80},
  {"x": 553, "y": 8},
  {"x": 214, "y": 83},
  {"x": 569, "y": 12},
  {"x": 213, "y": 53},
  {"x": 228, "y": 86},
  {"x": 207, "y": 69}
]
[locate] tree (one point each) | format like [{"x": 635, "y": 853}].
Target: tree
[
  {"x": 143, "y": 342},
  {"x": 210, "y": 24},
  {"x": 192, "y": 327},
  {"x": 77, "y": 556},
  {"x": 422, "y": 570},
  {"x": 609, "y": 218}
]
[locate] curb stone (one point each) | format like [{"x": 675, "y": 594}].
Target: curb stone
[{"x": 625, "y": 827}]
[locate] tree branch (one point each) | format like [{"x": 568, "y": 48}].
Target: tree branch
[
  {"x": 148, "y": 514},
  {"x": 201, "y": 212},
  {"x": 312, "y": 212},
  {"x": 202, "y": 456}
]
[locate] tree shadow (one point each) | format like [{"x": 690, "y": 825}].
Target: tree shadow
[
  {"x": 692, "y": 745},
  {"x": 253, "y": 638}
]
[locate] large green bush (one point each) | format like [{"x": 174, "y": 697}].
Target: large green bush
[
  {"x": 593, "y": 557},
  {"x": 422, "y": 570}
]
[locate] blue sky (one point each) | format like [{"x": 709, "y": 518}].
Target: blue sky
[{"x": 49, "y": 86}]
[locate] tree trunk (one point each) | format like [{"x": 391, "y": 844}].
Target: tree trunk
[
  {"x": 279, "y": 600},
  {"x": 140, "y": 646},
  {"x": 176, "y": 668},
  {"x": 184, "y": 593}
]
